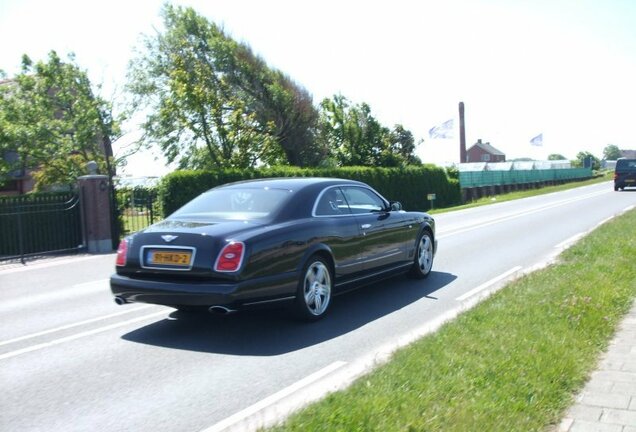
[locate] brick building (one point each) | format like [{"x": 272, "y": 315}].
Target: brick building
[{"x": 484, "y": 152}]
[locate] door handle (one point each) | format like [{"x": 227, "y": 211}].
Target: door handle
[{"x": 365, "y": 226}]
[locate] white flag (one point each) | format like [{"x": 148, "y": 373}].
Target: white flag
[
  {"x": 443, "y": 131},
  {"x": 537, "y": 141}
]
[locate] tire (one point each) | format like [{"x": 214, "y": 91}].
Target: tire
[
  {"x": 314, "y": 289},
  {"x": 423, "y": 260}
]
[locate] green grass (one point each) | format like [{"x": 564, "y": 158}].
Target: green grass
[
  {"x": 605, "y": 176},
  {"x": 513, "y": 363}
]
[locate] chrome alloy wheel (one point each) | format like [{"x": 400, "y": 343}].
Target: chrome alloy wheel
[
  {"x": 317, "y": 288},
  {"x": 425, "y": 254}
]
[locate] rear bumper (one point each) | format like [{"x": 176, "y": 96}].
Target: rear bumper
[{"x": 239, "y": 295}]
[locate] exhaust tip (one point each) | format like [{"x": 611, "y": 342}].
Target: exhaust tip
[
  {"x": 120, "y": 300},
  {"x": 220, "y": 310}
]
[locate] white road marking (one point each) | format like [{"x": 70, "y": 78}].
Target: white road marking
[
  {"x": 240, "y": 416},
  {"x": 78, "y": 336},
  {"x": 57, "y": 262},
  {"x": 488, "y": 284},
  {"x": 470, "y": 227},
  {"x": 68, "y": 326},
  {"x": 52, "y": 296}
]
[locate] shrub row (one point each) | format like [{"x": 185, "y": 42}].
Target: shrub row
[{"x": 409, "y": 185}]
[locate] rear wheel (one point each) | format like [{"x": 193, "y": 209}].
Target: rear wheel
[
  {"x": 423, "y": 261},
  {"x": 314, "y": 289}
]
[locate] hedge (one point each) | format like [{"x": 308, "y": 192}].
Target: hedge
[{"x": 409, "y": 185}]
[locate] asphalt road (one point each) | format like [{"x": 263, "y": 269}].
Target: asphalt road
[{"x": 71, "y": 360}]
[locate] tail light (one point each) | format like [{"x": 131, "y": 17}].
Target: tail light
[
  {"x": 230, "y": 258},
  {"x": 122, "y": 252}
]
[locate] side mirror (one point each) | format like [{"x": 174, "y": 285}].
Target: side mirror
[{"x": 396, "y": 206}]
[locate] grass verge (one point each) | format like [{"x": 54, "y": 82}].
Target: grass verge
[
  {"x": 513, "y": 362},
  {"x": 606, "y": 176}
]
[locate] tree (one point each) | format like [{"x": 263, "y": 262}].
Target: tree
[
  {"x": 355, "y": 137},
  {"x": 580, "y": 160},
  {"x": 403, "y": 144},
  {"x": 556, "y": 156},
  {"x": 612, "y": 152},
  {"x": 213, "y": 103},
  {"x": 52, "y": 123}
]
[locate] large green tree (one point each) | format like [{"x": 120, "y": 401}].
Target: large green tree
[
  {"x": 355, "y": 137},
  {"x": 52, "y": 123},
  {"x": 612, "y": 152},
  {"x": 580, "y": 160},
  {"x": 212, "y": 102}
]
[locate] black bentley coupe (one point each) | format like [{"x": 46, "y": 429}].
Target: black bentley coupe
[{"x": 265, "y": 242}]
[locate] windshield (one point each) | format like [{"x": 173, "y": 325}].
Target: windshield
[
  {"x": 626, "y": 164},
  {"x": 234, "y": 204}
]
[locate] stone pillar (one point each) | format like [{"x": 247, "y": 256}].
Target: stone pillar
[{"x": 96, "y": 213}]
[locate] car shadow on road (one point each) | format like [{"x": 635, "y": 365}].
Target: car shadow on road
[{"x": 275, "y": 331}]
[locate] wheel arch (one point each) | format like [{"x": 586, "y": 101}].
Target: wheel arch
[
  {"x": 425, "y": 226},
  {"x": 321, "y": 250}
]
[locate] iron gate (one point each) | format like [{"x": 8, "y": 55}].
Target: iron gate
[
  {"x": 40, "y": 223},
  {"x": 137, "y": 207}
]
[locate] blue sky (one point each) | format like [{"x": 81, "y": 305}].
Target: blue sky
[{"x": 562, "y": 68}]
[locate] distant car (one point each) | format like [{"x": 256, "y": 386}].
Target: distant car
[
  {"x": 294, "y": 241},
  {"x": 625, "y": 174}
]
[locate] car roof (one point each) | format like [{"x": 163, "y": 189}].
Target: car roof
[{"x": 290, "y": 183}]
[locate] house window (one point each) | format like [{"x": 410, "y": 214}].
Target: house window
[{"x": 485, "y": 157}]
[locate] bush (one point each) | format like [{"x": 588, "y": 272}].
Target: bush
[{"x": 409, "y": 185}]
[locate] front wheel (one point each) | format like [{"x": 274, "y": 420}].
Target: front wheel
[
  {"x": 314, "y": 290},
  {"x": 423, "y": 261}
]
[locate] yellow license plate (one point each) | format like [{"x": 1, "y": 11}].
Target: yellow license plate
[{"x": 170, "y": 258}]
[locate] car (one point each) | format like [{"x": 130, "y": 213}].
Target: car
[
  {"x": 625, "y": 174},
  {"x": 288, "y": 241}
]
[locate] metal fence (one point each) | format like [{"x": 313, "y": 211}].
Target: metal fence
[
  {"x": 137, "y": 208},
  {"x": 40, "y": 223}
]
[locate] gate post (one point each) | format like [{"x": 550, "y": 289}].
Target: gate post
[{"x": 96, "y": 212}]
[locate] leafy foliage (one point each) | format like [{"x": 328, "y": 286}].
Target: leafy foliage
[
  {"x": 356, "y": 138},
  {"x": 214, "y": 104},
  {"x": 612, "y": 152},
  {"x": 409, "y": 185},
  {"x": 580, "y": 160},
  {"x": 51, "y": 122}
]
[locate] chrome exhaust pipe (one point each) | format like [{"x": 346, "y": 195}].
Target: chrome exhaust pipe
[
  {"x": 220, "y": 310},
  {"x": 120, "y": 300}
]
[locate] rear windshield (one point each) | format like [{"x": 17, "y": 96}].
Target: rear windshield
[
  {"x": 234, "y": 204},
  {"x": 626, "y": 165}
]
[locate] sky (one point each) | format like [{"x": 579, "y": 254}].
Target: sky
[{"x": 562, "y": 68}]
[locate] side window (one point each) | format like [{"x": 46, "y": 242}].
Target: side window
[
  {"x": 362, "y": 200},
  {"x": 332, "y": 203}
]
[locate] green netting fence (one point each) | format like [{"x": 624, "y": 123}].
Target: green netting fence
[{"x": 471, "y": 179}]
